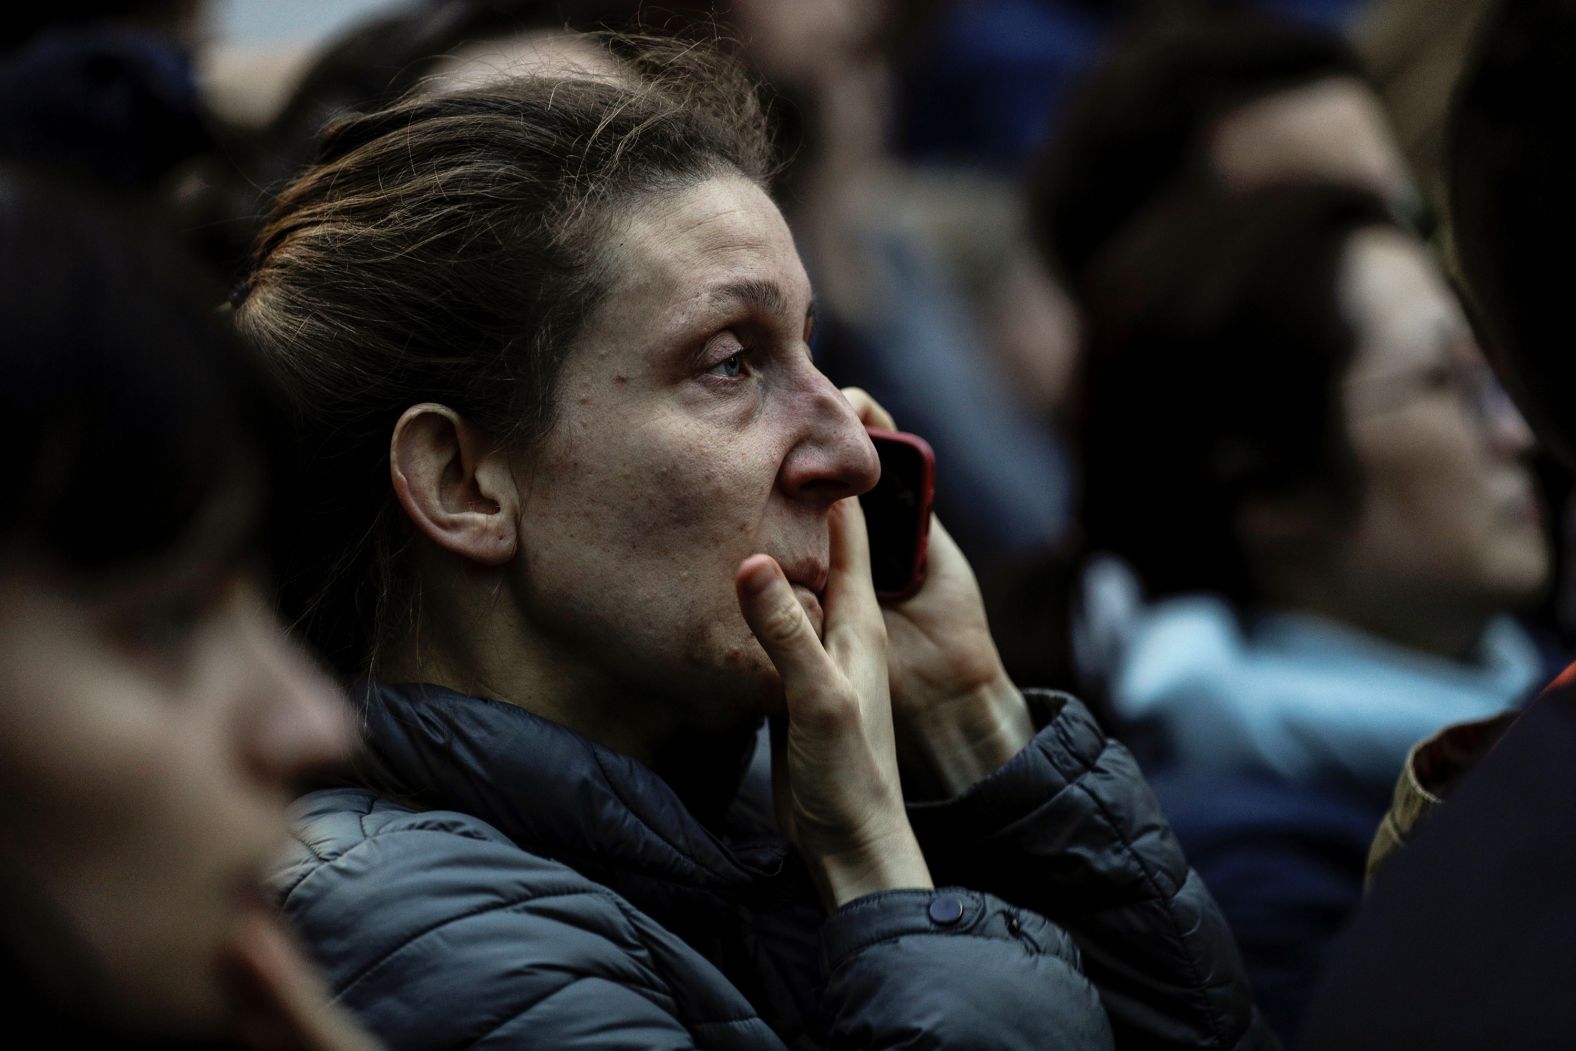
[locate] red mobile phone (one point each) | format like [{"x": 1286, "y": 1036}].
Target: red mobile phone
[{"x": 897, "y": 513}]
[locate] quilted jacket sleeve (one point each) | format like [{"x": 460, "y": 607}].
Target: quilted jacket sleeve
[
  {"x": 1069, "y": 829},
  {"x": 438, "y": 933},
  {"x": 439, "y": 937},
  {"x": 953, "y": 968}
]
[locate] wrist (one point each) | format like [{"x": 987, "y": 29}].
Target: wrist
[
  {"x": 947, "y": 747},
  {"x": 896, "y": 864}
]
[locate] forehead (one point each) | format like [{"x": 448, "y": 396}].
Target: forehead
[{"x": 678, "y": 252}]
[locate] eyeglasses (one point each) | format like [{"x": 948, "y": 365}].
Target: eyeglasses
[{"x": 1473, "y": 383}]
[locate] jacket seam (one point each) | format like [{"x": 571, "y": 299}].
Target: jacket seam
[
  {"x": 694, "y": 867},
  {"x": 1216, "y": 1022},
  {"x": 688, "y": 1026},
  {"x": 505, "y": 906},
  {"x": 876, "y": 898},
  {"x": 731, "y": 1023},
  {"x": 325, "y": 860},
  {"x": 888, "y": 939},
  {"x": 311, "y": 848},
  {"x": 525, "y": 1009},
  {"x": 1079, "y": 782},
  {"x": 463, "y": 833},
  {"x": 306, "y": 870}
]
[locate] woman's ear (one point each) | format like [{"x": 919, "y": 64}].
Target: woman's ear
[{"x": 455, "y": 484}]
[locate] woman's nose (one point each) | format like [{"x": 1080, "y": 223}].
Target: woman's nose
[
  {"x": 301, "y": 722},
  {"x": 1507, "y": 428},
  {"x": 834, "y": 457}
]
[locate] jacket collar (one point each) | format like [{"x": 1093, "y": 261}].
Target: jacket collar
[{"x": 555, "y": 792}]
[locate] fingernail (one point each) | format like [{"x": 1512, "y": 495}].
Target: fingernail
[{"x": 759, "y": 578}]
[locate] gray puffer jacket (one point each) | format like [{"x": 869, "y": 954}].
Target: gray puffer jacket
[{"x": 526, "y": 888}]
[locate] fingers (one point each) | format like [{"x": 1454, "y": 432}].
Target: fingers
[
  {"x": 850, "y": 591},
  {"x": 940, "y": 539},
  {"x": 781, "y": 625},
  {"x": 287, "y": 1005},
  {"x": 870, "y": 412}
]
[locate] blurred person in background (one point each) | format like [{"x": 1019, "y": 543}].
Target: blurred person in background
[
  {"x": 1207, "y": 103},
  {"x": 177, "y": 19},
  {"x": 105, "y": 93},
  {"x": 132, "y": 96},
  {"x": 1416, "y": 51},
  {"x": 1289, "y": 434},
  {"x": 578, "y": 516},
  {"x": 1180, "y": 103},
  {"x": 155, "y": 719},
  {"x": 1464, "y": 940}
]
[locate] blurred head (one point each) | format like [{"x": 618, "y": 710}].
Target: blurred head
[
  {"x": 178, "y": 17},
  {"x": 1221, "y": 101},
  {"x": 549, "y": 340},
  {"x": 1328, "y": 435},
  {"x": 1330, "y": 130},
  {"x": 155, "y": 720},
  {"x": 1511, "y": 163}
]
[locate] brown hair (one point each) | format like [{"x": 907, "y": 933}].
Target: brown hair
[
  {"x": 448, "y": 249},
  {"x": 1216, "y": 325}
]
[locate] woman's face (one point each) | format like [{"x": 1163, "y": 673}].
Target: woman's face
[
  {"x": 693, "y": 431},
  {"x": 1448, "y": 513},
  {"x": 152, "y": 731}
]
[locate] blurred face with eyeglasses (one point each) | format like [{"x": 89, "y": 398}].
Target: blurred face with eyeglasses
[{"x": 1448, "y": 523}]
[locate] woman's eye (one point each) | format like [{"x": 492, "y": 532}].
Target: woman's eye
[{"x": 731, "y": 367}]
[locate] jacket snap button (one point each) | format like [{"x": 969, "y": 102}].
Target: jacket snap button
[
  {"x": 945, "y": 910},
  {"x": 1014, "y": 925}
]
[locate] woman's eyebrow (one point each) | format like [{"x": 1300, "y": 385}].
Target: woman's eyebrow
[{"x": 757, "y": 294}]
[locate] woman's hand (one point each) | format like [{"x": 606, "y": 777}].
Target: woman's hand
[
  {"x": 284, "y": 1004},
  {"x": 958, "y": 716},
  {"x": 834, "y": 766}
]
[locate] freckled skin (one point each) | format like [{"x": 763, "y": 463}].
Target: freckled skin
[{"x": 694, "y": 432}]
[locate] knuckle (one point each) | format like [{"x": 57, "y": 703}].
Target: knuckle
[
  {"x": 831, "y": 711},
  {"x": 863, "y": 639},
  {"x": 782, "y": 622}
]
